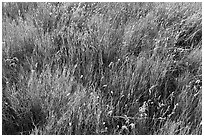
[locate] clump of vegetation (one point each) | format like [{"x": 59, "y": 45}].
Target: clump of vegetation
[{"x": 102, "y": 68}]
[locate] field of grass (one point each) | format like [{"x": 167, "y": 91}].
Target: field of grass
[{"x": 102, "y": 68}]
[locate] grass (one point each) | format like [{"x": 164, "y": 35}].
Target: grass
[{"x": 102, "y": 68}]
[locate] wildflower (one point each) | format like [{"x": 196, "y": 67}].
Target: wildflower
[
  {"x": 143, "y": 115},
  {"x": 106, "y": 129},
  {"x": 161, "y": 104},
  {"x": 132, "y": 125},
  {"x": 126, "y": 118},
  {"x": 124, "y": 130},
  {"x": 143, "y": 108},
  {"x": 124, "y": 127}
]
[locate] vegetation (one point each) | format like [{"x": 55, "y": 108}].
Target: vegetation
[{"x": 102, "y": 68}]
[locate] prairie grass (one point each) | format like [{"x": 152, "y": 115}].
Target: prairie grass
[{"x": 102, "y": 68}]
